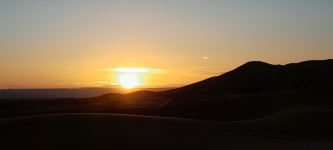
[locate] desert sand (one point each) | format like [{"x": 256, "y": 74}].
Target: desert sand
[{"x": 255, "y": 106}]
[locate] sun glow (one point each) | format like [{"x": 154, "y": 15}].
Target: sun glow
[
  {"x": 128, "y": 80},
  {"x": 131, "y": 70},
  {"x": 131, "y": 77}
]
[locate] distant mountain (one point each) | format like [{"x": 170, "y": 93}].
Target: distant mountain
[{"x": 46, "y": 94}]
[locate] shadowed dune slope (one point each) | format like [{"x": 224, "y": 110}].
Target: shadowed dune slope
[
  {"x": 105, "y": 131},
  {"x": 260, "y": 77}
]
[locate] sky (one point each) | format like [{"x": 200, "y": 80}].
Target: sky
[{"x": 79, "y": 43}]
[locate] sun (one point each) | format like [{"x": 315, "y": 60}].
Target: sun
[
  {"x": 130, "y": 77},
  {"x": 128, "y": 80}
]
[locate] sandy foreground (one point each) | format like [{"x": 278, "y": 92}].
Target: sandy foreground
[{"x": 110, "y": 131}]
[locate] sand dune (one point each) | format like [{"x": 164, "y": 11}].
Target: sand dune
[
  {"x": 106, "y": 131},
  {"x": 253, "y": 78},
  {"x": 190, "y": 99},
  {"x": 255, "y": 106}
]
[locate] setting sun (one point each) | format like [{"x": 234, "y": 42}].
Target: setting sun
[
  {"x": 128, "y": 80},
  {"x": 129, "y": 77}
]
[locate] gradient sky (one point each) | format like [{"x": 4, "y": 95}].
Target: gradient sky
[{"x": 73, "y": 43}]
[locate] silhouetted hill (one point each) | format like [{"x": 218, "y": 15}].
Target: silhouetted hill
[
  {"x": 45, "y": 94},
  {"x": 258, "y": 77}
]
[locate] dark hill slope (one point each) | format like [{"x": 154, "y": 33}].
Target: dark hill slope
[{"x": 259, "y": 77}]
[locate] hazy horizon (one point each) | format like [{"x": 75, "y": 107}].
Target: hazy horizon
[{"x": 71, "y": 44}]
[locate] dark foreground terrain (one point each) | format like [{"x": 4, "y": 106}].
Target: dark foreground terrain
[{"x": 255, "y": 106}]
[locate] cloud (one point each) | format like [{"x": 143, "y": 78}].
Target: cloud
[
  {"x": 168, "y": 71},
  {"x": 96, "y": 84},
  {"x": 189, "y": 71},
  {"x": 13, "y": 86},
  {"x": 149, "y": 70},
  {"x": 106, "y": 69},
  {"x": 202, "y": 72}
]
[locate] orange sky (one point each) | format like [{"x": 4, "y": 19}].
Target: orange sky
[{"x": 74, "y": 43}]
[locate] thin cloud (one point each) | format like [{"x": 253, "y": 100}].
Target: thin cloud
[
  {"x": 190, "y": 71},
  {"x": 13, "y": 86},
  {"x": 107, "y": 69},
  {"x": 117, "y": 70},
  {"x": 169, "y": 71},
  {"x": 95, "y": 84}
]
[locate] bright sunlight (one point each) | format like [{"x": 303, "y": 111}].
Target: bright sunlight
[
  {"x": 128, "y": 80},
  {"x": 129, "y": 77}
]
